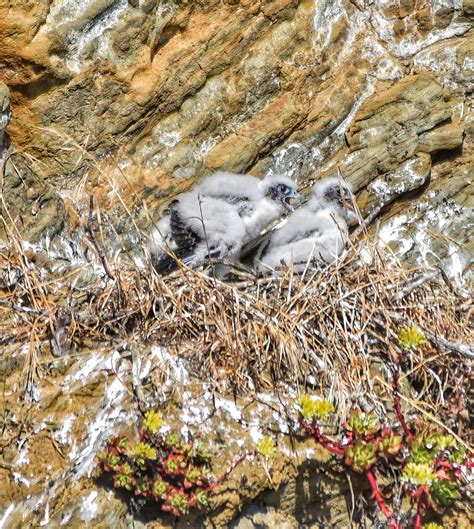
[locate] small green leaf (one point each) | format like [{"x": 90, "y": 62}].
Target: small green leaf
[
  {"x": 361, "y": 456},
  {"x": 202, "y": 498},
  {"x": 418, "y": 474},
  {"x": 153, "y": 421},
  {"x": 444, "y": 492},
  {"x": 312, "y": 408},
  {"x": 266, "y": 447},
  {"x": 144, "y": 450},
  {"x": 362, "y": 423},
  {"x": 412, "y": 338},
  {"x": 160, "y": 487}
]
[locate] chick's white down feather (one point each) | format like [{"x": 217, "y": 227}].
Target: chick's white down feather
[
  {"x": 161, "y": 234},
  {"x": 266, "y": 210},
  {"x": 249, "y": 194},
  {"x": 230, "y": 186},
  {"x": 321, "y": 235},
  {"x": 217, "y": 224},
  {"x": 242, "y": 191},
  {"x": 225, "y": 211},
  {"x": 318, "y": 230}
]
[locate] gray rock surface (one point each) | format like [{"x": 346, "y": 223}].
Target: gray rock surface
[{"x": 133, "y": 101}]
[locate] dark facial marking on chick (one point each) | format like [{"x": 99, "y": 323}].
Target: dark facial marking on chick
[{"x": 333, "y": 194}]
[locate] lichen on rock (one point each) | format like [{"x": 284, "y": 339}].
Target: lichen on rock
[{"x": 111, "y": 108}]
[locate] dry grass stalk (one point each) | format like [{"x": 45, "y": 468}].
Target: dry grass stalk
[{"x": 334, "y": 329}]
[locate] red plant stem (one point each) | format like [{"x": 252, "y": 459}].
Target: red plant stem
[
  {"x": 455, "y": 466},
  {"x": 232, "y": 467},
  {"x": 380, "y": 501},
  {"x": 419, "y": 512},
  {"x": 397, "y": 406},
  {"x": 469, "y": 463},
  {"x": 335, "y": 447}
]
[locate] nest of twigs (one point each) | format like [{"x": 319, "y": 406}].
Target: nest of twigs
[{"x": 334, "y": 329}]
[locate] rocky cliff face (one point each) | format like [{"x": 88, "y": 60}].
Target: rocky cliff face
[{"x": 133, "y": 101}]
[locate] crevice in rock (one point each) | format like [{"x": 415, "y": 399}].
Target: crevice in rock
[
  {"x": 169, "y": 31},
  {"x": 444, "y": 155},
  {"x": 440, "y": 124},
  {"x": 100, "y": 17},
  {"x": 39, "y": 86}
]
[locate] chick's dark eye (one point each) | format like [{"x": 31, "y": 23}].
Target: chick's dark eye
[{"x": 283, "y": 188}]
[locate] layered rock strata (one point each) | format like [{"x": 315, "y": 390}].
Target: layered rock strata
[{"x": 133, "y": 101}]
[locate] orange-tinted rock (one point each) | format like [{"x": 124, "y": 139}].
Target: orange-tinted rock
[{"x": 142, "y": 98}]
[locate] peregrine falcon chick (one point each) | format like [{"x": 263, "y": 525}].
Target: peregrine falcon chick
[
  {"x": 219, "y": 216},
  {"x": 318, "y": 230}
]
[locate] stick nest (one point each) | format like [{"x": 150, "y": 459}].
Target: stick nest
[{"x": 333, "y": 330}]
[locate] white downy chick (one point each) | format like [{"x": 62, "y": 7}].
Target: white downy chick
[
  {"x": 318, "y": 230},
  {"x": 219, "y": 216}
]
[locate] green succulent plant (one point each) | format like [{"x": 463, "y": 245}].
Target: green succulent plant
[
  {"x": 180, "y": 502},
  {"x": 457, "y": 454},
  {"x": 427, "y": 461},
  {"x": 312, "y": 408},
  {"x": 202, "y": 498},
  {"x": 171, "y": 466},
  {"x": 142, "y": 485},
  {"x": 364, "y": 424},
  {"x": 391, "y": 444},
  {"x": 266, "y": 447},
  {"x": 113, "y": 461},
  {"x": 143, "y": 452},
  {"x": 193, "y": 474},
  {"x": 361, "y": 456},
  {"x": 424, "y": 446},
  {"x": 418, "y": 474},
  {"x": 102, "y": 455},
  {"x": 160, "y": 487},
  {"x": 162, "y": 468},
  {"x": 153, "y": 422},
  {"x": 201, "y": 454},
  {"x": 123, "y": 480},
  {"x": 172, "y": 440},
  {"x": 444, "y": 492},
  {"x": 411, "y": 338}
]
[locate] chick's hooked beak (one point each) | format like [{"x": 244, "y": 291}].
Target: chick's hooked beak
[{"x": 287, "y": 201}]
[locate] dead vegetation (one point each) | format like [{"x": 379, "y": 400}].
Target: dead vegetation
[{"x": 333, "y": 330}]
